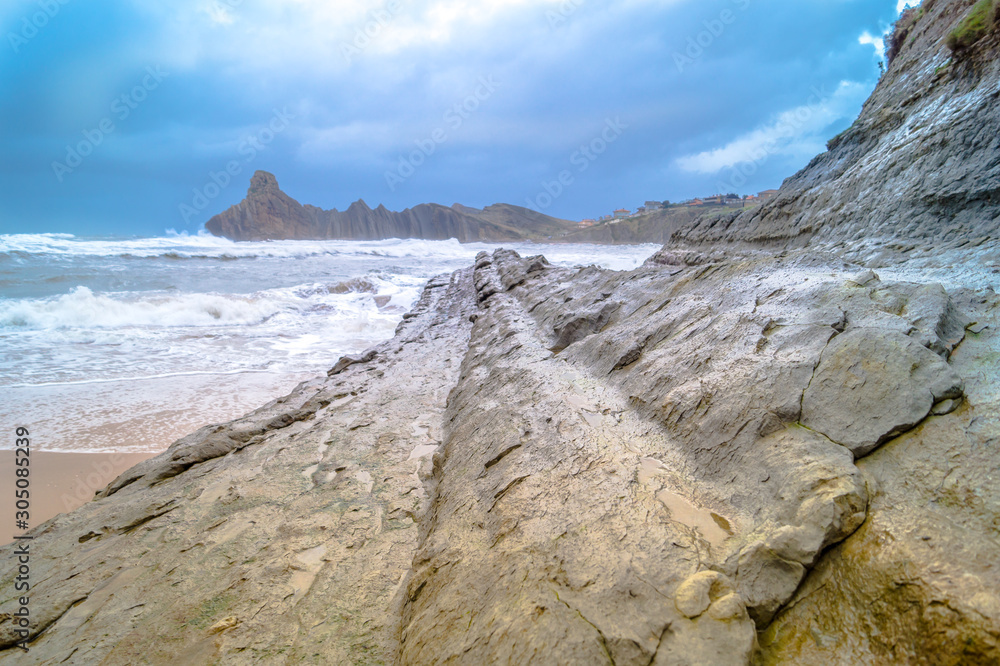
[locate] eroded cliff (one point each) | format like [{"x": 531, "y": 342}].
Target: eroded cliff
[{"x": 918, "y": 167}]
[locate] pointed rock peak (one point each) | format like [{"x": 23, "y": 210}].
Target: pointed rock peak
[
  {"x": 360, "y": 203},
  {"x": 263, "y": 181}
]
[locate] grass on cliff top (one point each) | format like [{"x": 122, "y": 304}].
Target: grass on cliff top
[{"x": 975, "y": 26}]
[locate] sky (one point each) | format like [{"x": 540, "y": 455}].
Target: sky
[{"x": 135, "y": 117}]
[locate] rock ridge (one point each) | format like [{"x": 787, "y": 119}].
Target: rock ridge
[
  {"x": 773, "y": 443},
  {"x": 594, "y": 466},
  {"x": 267, "y": 213}
]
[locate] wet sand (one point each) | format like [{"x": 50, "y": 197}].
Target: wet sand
[
  {"x": 136, "y": 415},
  {"x": 135, "y": 418},
  {"x": 60, "y": 482}
]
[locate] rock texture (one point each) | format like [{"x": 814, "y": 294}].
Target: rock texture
[
  {"x": 734, "y": 454},
  {"x": 281, "y": 537},
  {"x": 267, "y": 213},
  {"x": 550, "y": 465},
  {"x": 918, "y": 166}
]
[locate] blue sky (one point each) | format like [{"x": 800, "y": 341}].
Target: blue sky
[{"x": 134, "y": 116}]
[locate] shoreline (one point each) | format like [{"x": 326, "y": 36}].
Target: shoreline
[
  {"x": 60, "y": 482},
  {"x": 138, "y": 416},
  {"x": 114, "y": 425}
]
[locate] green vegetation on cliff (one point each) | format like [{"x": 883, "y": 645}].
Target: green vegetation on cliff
[{"x": 976, "y": 25}]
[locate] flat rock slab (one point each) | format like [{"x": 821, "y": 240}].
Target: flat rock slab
[{"x": 871, "y": 386}]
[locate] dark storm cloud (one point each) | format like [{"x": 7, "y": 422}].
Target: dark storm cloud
[{"x": 439, "y": 101}]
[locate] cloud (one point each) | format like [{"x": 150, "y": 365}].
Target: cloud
[
  {"x": 218, "y": 13},
  {"x": 795, "y": 132},
  {"x": 233, "y": 62},
  {"x": 878, "y": 42},
  {"x": 314, "y": 31}
]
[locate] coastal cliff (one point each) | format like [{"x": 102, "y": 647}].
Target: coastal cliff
[
  {"x": 919, "y": 165},
  {"x": 776, "y": 442},
  {"x": 267, "y": 213}
]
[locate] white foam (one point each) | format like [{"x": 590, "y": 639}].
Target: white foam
[
  {"x": 84, "y": 309},
  {"x": 116, "y": 323},
  {"x": 206, "y": 246}
]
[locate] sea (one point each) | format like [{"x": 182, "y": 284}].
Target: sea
[{"x": 124, "y": 345}]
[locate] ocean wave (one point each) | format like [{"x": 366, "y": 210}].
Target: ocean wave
[
  {"x": 81, "y": 308},
  {"x": 206, "y": 246},
  {"x": 179, "y": 247},
  {"x": 143, "y": 378}
]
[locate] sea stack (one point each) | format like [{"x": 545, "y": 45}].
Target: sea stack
[{"x": 267, "y": 213}]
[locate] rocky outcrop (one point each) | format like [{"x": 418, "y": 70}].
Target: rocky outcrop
[
  {"x": 734, "y": 454},
  {"x": 281, "y": 537},
  {"x": 654, "y": 227},
  {"x": 918, "y": 166},
  {"x": 267, "y": 213},
  {"x": 693, "y": 462}
]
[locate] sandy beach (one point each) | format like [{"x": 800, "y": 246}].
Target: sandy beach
[
  {"x": 60, "y": 482},
  {"x": 131, "y": 420}
]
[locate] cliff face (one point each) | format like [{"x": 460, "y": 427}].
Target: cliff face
[
  {"x": 730, "y": 455},
  {"x": 919, "y": 164},
  {"x": 267, "y": 213}
]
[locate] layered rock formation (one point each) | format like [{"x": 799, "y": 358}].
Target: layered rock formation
[
  {"x": 267, "y": 213},
  {"x": 573, "y": 466},
  {"x": 733, "y": 454},
  {"x": 919, "y": 165}
]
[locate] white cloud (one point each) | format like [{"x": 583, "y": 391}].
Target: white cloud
[
  {"x": 218, "y": 14},
  {"x": 314, "y": 33},
  {"x": 797, "y": 132},
  {"x": 351, "y": 141},
  {"x": 878, "y": 42}
]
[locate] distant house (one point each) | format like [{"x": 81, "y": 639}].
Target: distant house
[
  {"x": 622, "y": 213},
  {"x": 717, "y": 200},
  {"x": 696, "y": 202},
  {"x": 768, "y": 194},
  {"x": 650, "y": 206},
  {"x": 587, "y": 223},
  {"x": 605, "y": 218}
]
